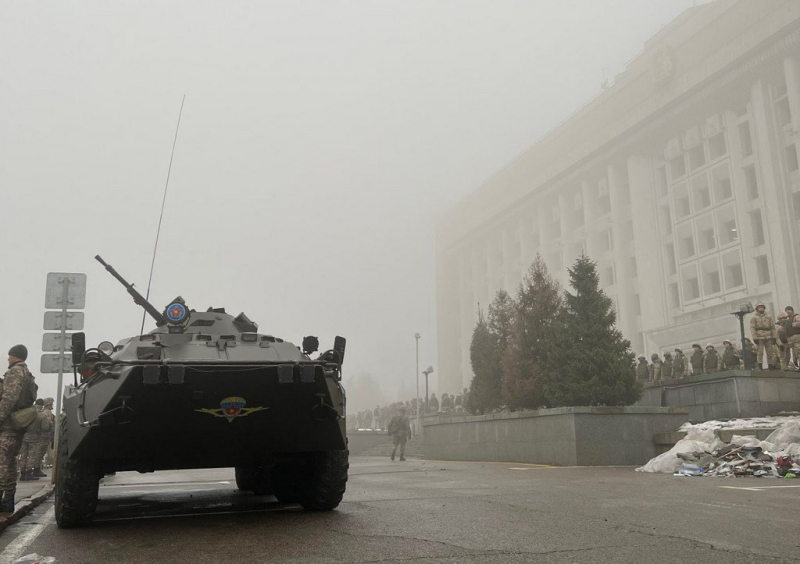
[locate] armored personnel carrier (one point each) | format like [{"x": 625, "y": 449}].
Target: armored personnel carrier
[{"x": 203, "y": 390}]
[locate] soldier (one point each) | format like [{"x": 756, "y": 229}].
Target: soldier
[
  {"x": 793, "y": 335},
  {"x": 465, "y": 393},
  {"x": 19, "y": 392},
  {"x": 458, "y": 403},
  {"x": 710, "y": 360},
  {"x": 447, "y": 402},
  {"x": 642, "y": 370},
  {"x": 655, "y": 369},
  {"x": 731, "y": 359},
  {"x": 697, "y": 359},
  {"x": 376, "y": 418},
  {"x": 368, "y": 419},
  {"x": 47, "y": 438},
  {"x": 679, "y": 365},
  {"x": 400, "y": 431},
  {"x": 433, "y": 404},
  {"x": 762, "y": 328},
  {"x": 27, "y": 458},
  {"x": 749, "y": 354},
  {"x": 667, "y": 367}
]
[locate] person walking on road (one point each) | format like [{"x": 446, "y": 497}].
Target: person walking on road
[
  {"x": 18, "y": 392},
  {"x": 400, "y": 430}
]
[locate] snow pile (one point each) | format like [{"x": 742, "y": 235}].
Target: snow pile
[
  {"x": 750, "y": 423},
  {"x": 697, "y": 441}
]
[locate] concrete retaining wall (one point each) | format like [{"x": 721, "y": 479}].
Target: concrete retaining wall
[
  {"x": 730, "y": 394},
  {"x": 359, "y": 441},
  {"x": 569, "y": 436}
]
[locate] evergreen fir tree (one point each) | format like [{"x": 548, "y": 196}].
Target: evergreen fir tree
[
  {"x": 591, "y": 362},
  {"x": 484, "y": 366},
  {"x": 525, "y": 360}
]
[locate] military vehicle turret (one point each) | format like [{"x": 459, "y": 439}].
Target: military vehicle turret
[{"x": 204, "y": 389}]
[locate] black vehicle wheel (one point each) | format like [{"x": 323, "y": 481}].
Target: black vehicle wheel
[
  {"x": 284, "y": 484},
  {"x": 326, "y": 482},
  {"x": 77, "y": 484},
  {"x": 253, "y": 479}
]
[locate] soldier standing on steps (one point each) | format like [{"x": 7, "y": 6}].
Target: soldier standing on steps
[
  {"x": 400, "y": 430},
  {"x": 679, "y": 365},
  {"x": 655, "y": 369},
  {"x": 711, "y": 360},
  {"x": 731, "y": 359},
  {"x": 667, "y": 366},
  {"x": 642, "y": 370},
  {"x": 697, "y": 359},
  {"x": 764, "y": 335}
]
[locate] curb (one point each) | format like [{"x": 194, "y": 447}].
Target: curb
[{"x": 27, "y": 505}]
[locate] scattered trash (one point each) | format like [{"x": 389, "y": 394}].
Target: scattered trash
[
  {"x": 701, "y": 453},
  {"x": 35, "y": 559}
]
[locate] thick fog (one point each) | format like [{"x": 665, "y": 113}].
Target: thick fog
[{"x": 320, "y": 141}]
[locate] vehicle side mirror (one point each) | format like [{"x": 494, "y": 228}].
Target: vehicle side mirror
[
  {"x": 339, "y": 344},
  {"x": 78, "y": 347}
]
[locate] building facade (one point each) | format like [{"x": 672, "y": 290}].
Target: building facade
[{"x": 682, "y": 180}]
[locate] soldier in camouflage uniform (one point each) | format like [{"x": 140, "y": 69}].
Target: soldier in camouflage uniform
[
  {"x": 762, "y": 329},
  {"x": 30, "y": 446},
  {"x": 667, "y": 367},
  {"x": 679, "y": 365},
  {"x": 642, "y": 370},
  {"x": 793, "y": 334},
  {"x": 697, "y": 359},
  {"x": 749, "y": 353},
  {"x": 711, "y": 360},
  {"x": 731, "y": 359},
  {"x": 47, "y": 428},
  {"x": 400, "y": 431},
  {"x": 18, "y": 383},
  {"x": 655, "y": 369}
]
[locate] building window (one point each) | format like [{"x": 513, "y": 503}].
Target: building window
[
  {"x": 723, "y": 189},
  {"x": 683, "y": 207},
  {"x": 757, "y": 227},
  {"x": 711, "y": 281},
  {"x": 701, "y": 193},
  {"x": 746, "y": 139},
  {"x": 791, "y": 158},
  {"x": 783, "y": 113},
  {"x": 607, "y": 276},
  {"x": 685, "y": 241},
  {"x": 690, "y": 282},
  {"x": 665, "y": 219},
  {"x": 732, "y": 265},
  {"x": 717, "y": 147},
  {"x": 762, "y": 269},
  {"x": 674, "y": 298},
  {"x": 751, "y": 182},
  {"x": 606, "y": 241},
  {"x": 697, "y": 157},
  {"x": 726, "y": 225},
  {"x": 677, "y": 167},
  {"x": 706, "y": 238}
]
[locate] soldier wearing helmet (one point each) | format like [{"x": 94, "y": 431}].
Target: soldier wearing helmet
[
  {"x": 679, "y": 365},
  {"x": 697, "y": 359},
  {"x": 711, "y": 360},
  {"x": 782, "y": 342},
  {"x": 667, "y": 367},
  {"x": 655, "y": 369},
  {"x": 792, "y": 326},
  {"x": 642, "y": 370},
  {"x": 762, "y": 329},
  {"x": 731, "y": 359}
]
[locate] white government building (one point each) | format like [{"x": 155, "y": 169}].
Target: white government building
[{"x": 699, "y": 136}]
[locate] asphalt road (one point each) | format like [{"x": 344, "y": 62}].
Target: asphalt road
[{"x": 432, "y": 512}]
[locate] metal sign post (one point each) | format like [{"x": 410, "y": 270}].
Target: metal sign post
[{"x": 65, "y": 291}]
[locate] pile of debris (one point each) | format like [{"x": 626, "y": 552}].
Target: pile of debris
[{"x": 702, "y": 453}]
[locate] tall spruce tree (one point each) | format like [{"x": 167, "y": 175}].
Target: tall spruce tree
[
  {"x": 483, "y": 357},
  {"x": 591, "y": 362},
  {"x": 489, "y": 340},
  {"x": 525, "y": 360}
]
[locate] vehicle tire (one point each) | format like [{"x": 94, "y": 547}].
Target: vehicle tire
[
  {"x": 253, "y": 479},
  {"x": 327, "y": 479},
  {"x": 77, "y": 484}
]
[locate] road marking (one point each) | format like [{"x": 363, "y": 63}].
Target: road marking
[
  {"x": 757, "y": 488},
  {"x": 16, "y": 547},
  {"x": 164, "y": 485}
]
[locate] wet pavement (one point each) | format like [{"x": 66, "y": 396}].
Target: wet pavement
[{"x": 432, "y": 512}]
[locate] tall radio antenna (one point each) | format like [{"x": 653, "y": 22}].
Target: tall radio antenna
[{"x": 163, "y": 203}]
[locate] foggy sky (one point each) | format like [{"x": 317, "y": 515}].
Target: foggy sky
[{"x": 319, "y": 143}]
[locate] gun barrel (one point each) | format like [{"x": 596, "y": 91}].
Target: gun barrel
[{"x": 137, "y": 297}]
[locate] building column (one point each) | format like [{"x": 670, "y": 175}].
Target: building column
[
  {"x": 626, "y": 318},
  {"x": 791, "y": 68},
  {"x": 652, "y": 293},
  {"x": 589, "y": 194},
  {"x": 773, "y": 194}
]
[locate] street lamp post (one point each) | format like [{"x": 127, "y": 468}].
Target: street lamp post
[
  {"x": 744, "y": 309},
  {"x": 416, "y": 377}
]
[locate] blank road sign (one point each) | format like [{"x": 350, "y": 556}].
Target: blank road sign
[
  {"x": 51, "y": 362},
  {"x": 56, "y": 321},
  {"x": 76, "y": 290},
  {"x": 52, "y": 342}
]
